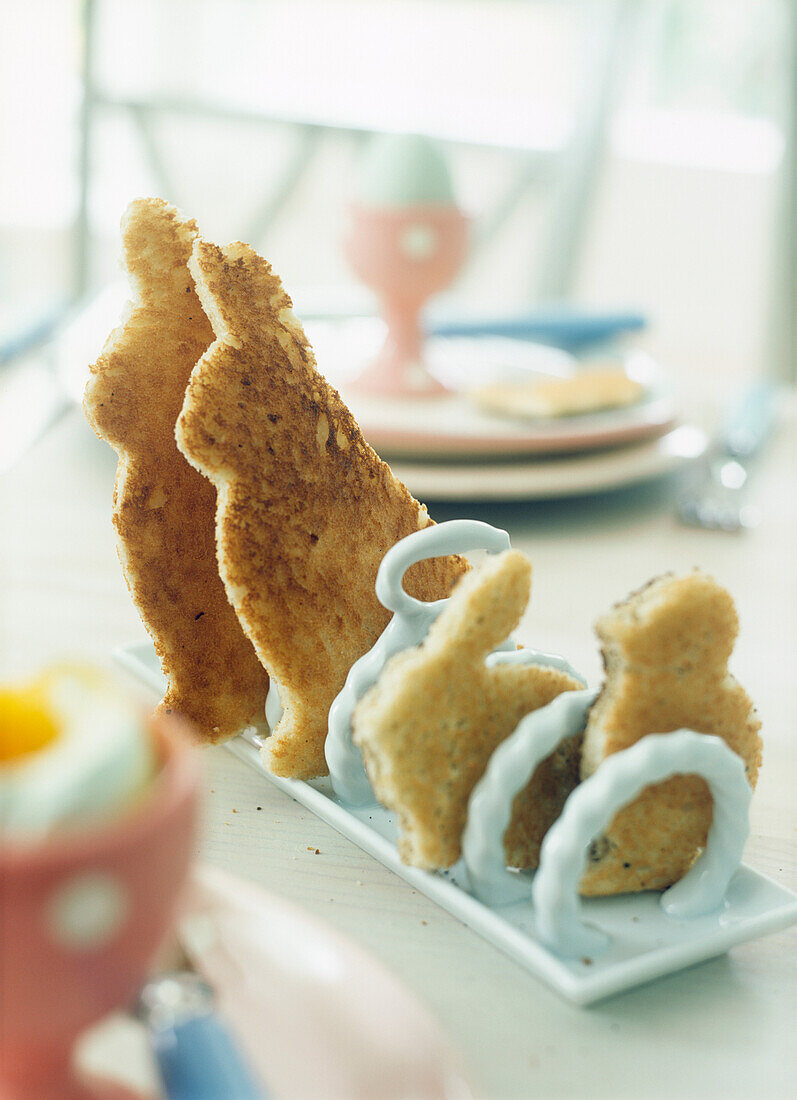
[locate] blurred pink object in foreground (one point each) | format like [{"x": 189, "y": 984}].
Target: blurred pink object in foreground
[
  {"x": 315, "y": 1014},
  {"x": 407, "y": 239},
  {"x": 81, "y": 916}
]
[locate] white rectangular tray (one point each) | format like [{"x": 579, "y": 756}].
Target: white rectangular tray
[{"x": 646, "y": 943}]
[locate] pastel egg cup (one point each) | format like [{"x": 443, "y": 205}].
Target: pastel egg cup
[
  {"x": 81, "y": 916},
  {"x": 406, "y": 255}
]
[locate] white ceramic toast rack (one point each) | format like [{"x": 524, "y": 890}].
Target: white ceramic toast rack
[{"x": 586, "y": 949}]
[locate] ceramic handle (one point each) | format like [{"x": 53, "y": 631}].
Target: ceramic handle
[
  {"x": 617, "y": 781},
  {"x": 196, "y": 1055},
  {"x": 408, "y": 627},
  {"x": 534, "y": 657},
  {"x": 198, "y": 1060},
  {"x": 457, "y": 536},
  {"x": 510, "y": 768}
]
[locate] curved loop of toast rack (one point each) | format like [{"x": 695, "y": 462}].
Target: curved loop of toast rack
[
  {"x": 510, "y": 768},
  {"x": 408, "y": 627},
  {"x": 618, "y": 780}
]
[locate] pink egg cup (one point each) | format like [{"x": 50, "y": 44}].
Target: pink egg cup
[
  {"x": 405, "y": 255},
  {"x": 81, "y": 917}
]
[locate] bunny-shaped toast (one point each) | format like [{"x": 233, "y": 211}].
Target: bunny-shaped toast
[
  {"x": 306, "y": 510},
  {"x": 666, "y": 652},
  {"x": 164, "y": 511},
  {"x": 429, "y": 726}
]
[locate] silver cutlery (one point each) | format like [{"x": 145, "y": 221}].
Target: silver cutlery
[{"x": 716, "y": 495}]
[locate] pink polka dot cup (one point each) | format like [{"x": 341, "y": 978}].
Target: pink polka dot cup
[
  {"x": 405, "y": 255},
  {"x": 81, "y": 916}
]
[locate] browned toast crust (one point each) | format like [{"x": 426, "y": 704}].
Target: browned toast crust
[
  {"x": 306, "y": 508},
  {"x": 666, "y": 651},
  {"x": 164, "y": 511}
]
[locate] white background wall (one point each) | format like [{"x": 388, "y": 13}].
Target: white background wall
[{"x": 683, "y": 218}]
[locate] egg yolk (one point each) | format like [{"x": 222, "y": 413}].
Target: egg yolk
[{"x": 26, "y": 723}]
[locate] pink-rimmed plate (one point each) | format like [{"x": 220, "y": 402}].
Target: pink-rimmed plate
[
  {"x": 551, "y": 478},
  {"x": 453, "y": 425}
]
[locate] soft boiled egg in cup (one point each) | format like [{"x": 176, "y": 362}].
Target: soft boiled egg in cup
[
  {"x": 72, "y": 751},
  {"x": 97, "y": 809}
]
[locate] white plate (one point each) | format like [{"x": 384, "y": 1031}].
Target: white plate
[
  {"x": 646, "y": 943},
  {"x": 454, "y": 425},
  {"x": 543, "y": 479},
  {"x": 447, "y": 426}
]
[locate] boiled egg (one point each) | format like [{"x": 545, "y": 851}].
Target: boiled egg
[
  {"x": 401, "y": 170},
  {"x": 73, "y": 748}
]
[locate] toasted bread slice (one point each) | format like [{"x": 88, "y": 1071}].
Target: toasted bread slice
[
  {"x": 666, "y": 652},
  {"x": 585, "y": 392},
  {"x": 164, "y": 511},
  {"x": 429, "y": 725},
  {"x": 306, "y": 509}
]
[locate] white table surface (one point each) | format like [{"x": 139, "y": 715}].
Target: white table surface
[{"x": 725, "y": 1028}]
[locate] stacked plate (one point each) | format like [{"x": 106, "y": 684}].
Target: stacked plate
[{"x": 450, "y": 447}]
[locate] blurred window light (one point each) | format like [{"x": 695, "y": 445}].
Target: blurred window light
[
  {"x": 698, "y": 139},
  {"x": 505, "y": 73},
  {"x": 493, "y": 71},
  {"x": 494, "y": 77},
  {"x": 39, "y": 94}
]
